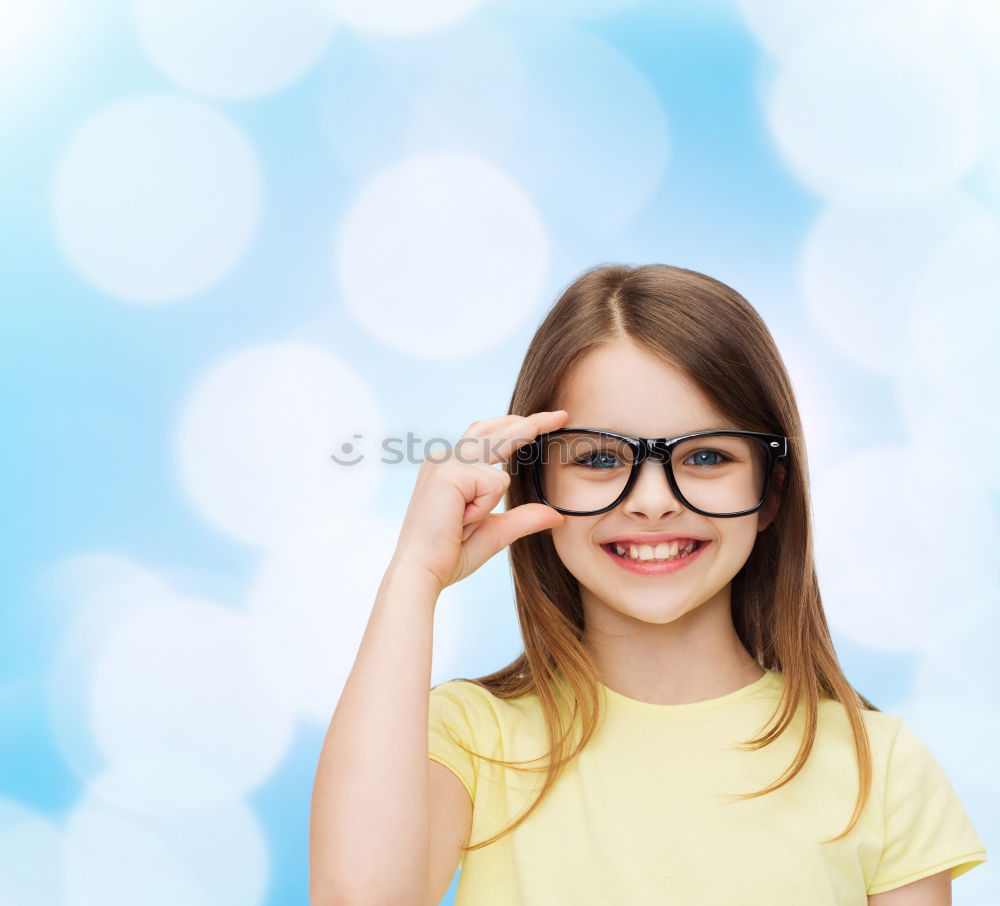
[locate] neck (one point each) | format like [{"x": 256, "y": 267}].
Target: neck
[{"x": 695, "y": 657}]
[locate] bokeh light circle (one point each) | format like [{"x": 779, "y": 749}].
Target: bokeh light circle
[
  {"x": 309, "y": 604},
  {"x": 30, "y": 844},
  {"x": 903, "y": 550},
  {"x": 218, "y": 857},
  {"x": 955, "y": 332},
  {"x": 906, "y": 115},
  {"x": 175, "y": 682},
  {"x": 860, "y": 265},
  {"x": 87, "y": 596},
  {"x": 593, "y": 140},
  {"x": 400, "y": 18},
  {"x": 233, "y": 49},
  {"x": 256, "y": 435},
  {"x": 441, "y": 256},
  {"x": 156, "y": 197}
]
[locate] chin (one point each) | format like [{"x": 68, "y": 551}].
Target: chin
[{"x": 647, "y": 607}]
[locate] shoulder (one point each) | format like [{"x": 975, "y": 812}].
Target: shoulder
[
  {"x": 472, "y": 694},
  {"x": 901, "y": 759},
  {"x": 466, "y": 704},
  {"x": 463, "y": 693},
  {"x": 897, "y": 752},
  {"x": 881, "y": 728},
  {"x": 925, "y": 825},
  {"x": 894, "y": 743}
]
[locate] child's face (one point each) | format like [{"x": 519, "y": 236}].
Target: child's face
[{"x": 624, "y": 389}]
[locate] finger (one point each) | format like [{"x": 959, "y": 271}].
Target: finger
[
  {"x": 509, "y": 438},
  {"x": 498, "y": 530},
  {"x": 481, "y": 441},
  {"x": 474, "y": 445},
  {"x": 485, "y": 426},
  {"x": 490, "y": 486}
]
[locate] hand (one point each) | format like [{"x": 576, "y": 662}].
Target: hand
[{"x": 449, "y": 529}]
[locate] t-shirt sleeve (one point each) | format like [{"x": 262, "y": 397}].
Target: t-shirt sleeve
[
  {"x": 452, "y": 719},
  {"x": 926, "y": 827}
]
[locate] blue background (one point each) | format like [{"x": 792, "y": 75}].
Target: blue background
[{"x": 234, "y": 236}]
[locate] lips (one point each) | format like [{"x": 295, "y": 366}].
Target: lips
[{"x": 654, "y": 566}]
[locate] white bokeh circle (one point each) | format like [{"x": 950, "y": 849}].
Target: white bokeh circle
[
  {"x": 175, "y": 683},
  {"x": 859, "y": 267},
  {"x": 946, "y": 383},
  {"x": 955, "y": 687},
  {"x": 156, "y": 197},
  {"x": 354, "y": 81},
  {"x": 955, "y": 330},
  {"x": 309, "y": 604},
  {"x": 150, "y": 786},
  {"x": 875, "y": 104},
  {"x": 30, "y": 845},
  {"x": 567, "y": 9},
  {"x": 905, "y": 549},
  {"x": 824, "y": 406},
  {"x": 467, "y": 94},
  {"x": 989, "y": 178},
  {"x": 400, "y": 18},
  {"x": 218, "y": 857},
  {"x": 254, "y": 440},
  {"x": 448, "y": 94},
  {"x": 441, "y": 256},
  {"x": 233, "y": 49},
  {"x": 782, "y": 25},
  {"x": 87, "y": 596},
  {"x": 107, "y": 857},
  {"x": 96, "y": 585},
  {"x": 36, "y": 41},
  {"x": 964, "y": 669},
  {"x": 974, "y": 27},
  {"x": 593, "y": 140},
  {"x": 936, "y": 417},
  {"x": 27, "y": 25}
]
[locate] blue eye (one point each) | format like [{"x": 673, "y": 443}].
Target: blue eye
[
  {"x": 606, "y": 460},
  {"x": 722, "y": 458}
]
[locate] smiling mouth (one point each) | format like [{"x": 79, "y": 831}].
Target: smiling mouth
[{"x": 648, "y": 553}]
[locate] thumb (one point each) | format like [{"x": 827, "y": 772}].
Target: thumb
[
  {"x": 498, "y": 530},
  {"x": 525, "y": 520}
]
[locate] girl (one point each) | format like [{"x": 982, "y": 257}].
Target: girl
[{"x": 678, "y": 729}]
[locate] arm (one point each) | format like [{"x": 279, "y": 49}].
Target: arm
[
  {"x": 934, "y": 890},
  {"x": 369, "y": 820},
  {"x": 369, "y": 833}
]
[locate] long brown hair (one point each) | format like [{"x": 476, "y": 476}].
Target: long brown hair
[{"x": 709, "y": 331}]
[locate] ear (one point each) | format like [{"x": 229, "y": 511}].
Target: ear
[{"x": 774, "y": 495}]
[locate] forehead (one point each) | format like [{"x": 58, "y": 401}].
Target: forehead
[{"x": 621, "y": 387}]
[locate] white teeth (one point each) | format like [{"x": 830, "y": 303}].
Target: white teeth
[{"x": 668, "y": 550}]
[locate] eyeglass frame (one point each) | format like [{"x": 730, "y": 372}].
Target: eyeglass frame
[{"x": 659, "y": 448}]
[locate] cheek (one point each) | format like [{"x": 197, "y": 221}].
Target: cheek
[
  {"x": 741, "y": 542},
  {"x": 574, "y": 547},
  {"x": 567, "y": 542}
]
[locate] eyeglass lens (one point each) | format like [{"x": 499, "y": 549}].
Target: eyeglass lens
[{"x": 719, "y": 474}]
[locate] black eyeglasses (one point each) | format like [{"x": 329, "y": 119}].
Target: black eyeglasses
[{"x": 583, "y": 471}]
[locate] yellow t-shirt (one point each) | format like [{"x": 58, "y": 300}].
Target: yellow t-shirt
[{"x": 638, "y": 817}]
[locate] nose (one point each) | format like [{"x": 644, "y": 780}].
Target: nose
[{"x": 651, "y": 495}]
